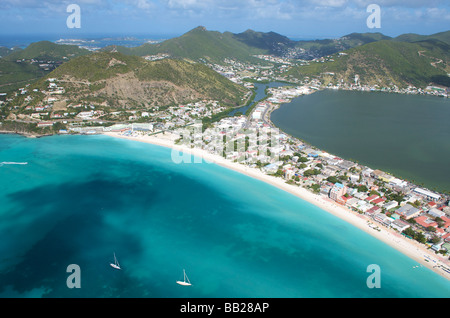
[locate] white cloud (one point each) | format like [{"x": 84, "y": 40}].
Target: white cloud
[
  {"x": 190, "y": 4},
  {"x": 401, "y": 3},
  {"x": 139, "y": 4},
  {"x": 249, "y": 9},
  {"x": 437, "y": 14},
  {"x": 269, "y": 9},
  {"x": 329, "y": 3}
]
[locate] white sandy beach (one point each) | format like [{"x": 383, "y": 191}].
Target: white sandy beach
[{"x": 409, "y": 247}]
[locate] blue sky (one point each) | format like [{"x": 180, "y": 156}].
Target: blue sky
[{"x": 293, "y": 18}]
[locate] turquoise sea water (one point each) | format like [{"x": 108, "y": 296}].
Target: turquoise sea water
[{"x": 82, "y": 198}]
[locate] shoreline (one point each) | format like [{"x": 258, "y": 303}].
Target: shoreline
[
  {"x": 406, "y": 246},
  {"x": 24, "y": 134}
]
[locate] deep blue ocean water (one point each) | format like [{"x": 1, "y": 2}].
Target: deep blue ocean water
[{"x": 82, "y": 198}]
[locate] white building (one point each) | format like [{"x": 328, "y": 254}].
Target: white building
[
  {"x": 256, "y": 114},
  {"x": 383, "y": 218},
  {"x": 436, "y": 213},
  {"x": 389, "y": 205},
  {"x": 400, "y": 225},
  {"x": 427, "y": 194}
]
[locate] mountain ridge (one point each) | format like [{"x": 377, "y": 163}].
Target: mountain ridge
[
  {"x": 198, "y": 44},
  {"x": 214, "y": 47}
]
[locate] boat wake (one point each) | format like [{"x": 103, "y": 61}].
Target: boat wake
[{"x": 12, "y": 163}]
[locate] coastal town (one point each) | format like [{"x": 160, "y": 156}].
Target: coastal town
[
  {"x": 386, "y": 201},
  {"x": 417, "y": 214},
  {"x": 259, "y": 151}
]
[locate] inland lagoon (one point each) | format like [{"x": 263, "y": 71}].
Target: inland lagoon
[{"x": 405, "y": 135}]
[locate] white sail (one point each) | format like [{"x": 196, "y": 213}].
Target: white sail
[
  {"x": 185, "y": 281},
  {"x": 116, "y": 264}
]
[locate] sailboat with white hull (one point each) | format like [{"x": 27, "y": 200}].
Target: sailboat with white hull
[
  {"x": 116, "y": 264},
  {"x": 185, "y": 281}
]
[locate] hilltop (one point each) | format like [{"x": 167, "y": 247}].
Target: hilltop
[
  {"x": 45, "y": 50},
  {"x": 413, "y": 37},
  {"x": 270, "y": 42},
  {"x": 197, "y": 45}
]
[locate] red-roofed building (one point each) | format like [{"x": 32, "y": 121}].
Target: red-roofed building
[
  {"x": 372, "y": 197},
  {"x": 378, "y": 201},
  {"x": 446, "y": 237},
  {"x": 373, "y": 210},
  {"x": 432, "y": 204},
  {"x": 447, "y": 222},
  {"x": 425, "y": 221},
  {"x": 343, "y": 199}
]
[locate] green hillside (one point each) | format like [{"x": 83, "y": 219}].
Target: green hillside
[
  {"x": 17, "y": 68},
  {"x": 385, "y": 62},
  {"x": 130, "y": 81},
  {"x": 272, "y": 42},
  {"x": 98, "y": 66},
  {"x": 319, "y": 48},
  {"x": 4, "y": 51},
  {"x": 412, "y": 37},
  {"x": 14, "y": 75},
  {"x": 45, "y": 50},
  {"x": 356, "y": 39}
]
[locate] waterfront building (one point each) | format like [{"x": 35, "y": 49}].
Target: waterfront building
[
  {"x": 427, "y": 194},
  {"x": 383, "y": 219},
  {"x": 337, "y": 191},
  {"x": 142, "y": 127},
  {"x": 346, "y": 165},
  {"x": 400, "y": 225}
]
